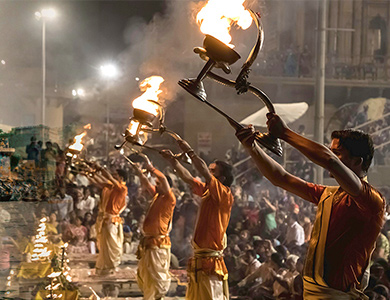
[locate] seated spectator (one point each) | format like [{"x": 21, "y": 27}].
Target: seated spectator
[
  {"x": 52, "y": 226},
  {"x": 76, "y": 235},
  {"x": 295, "y": 235},
  {"x": 264, "y": 276},
  {"x": 252, "y": 263},
  {"x": 382, "y": 248},
  {"x": 90, "y": 223},
  {"x": 86, "y": 204},
  {"x": 284, "y": 281},
  {"x": 127, "y": 239}
]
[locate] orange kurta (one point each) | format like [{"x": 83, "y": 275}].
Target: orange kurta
[
  {"x": 210, "y": 230},
  {"x": 117, "y": 200},
  {"x": 353, "y": 226},
  {"x": 158, "y": 220}
]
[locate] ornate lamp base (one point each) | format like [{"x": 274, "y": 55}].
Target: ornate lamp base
[{"x": 195, "y": 88}]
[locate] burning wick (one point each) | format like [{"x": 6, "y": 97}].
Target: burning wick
[
  {"x": 215, "y": 20},
  {"x": 217, "y": 17}
]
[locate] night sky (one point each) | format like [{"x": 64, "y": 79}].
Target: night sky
[{"x": 84, "y": 34}]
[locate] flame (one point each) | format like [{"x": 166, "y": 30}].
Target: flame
[
  {"x": 133, "y": 127},
  {"x": 217, "y": 17},
  {"x": 54, "y": 274},
  {"x": 88, "y": 126},
  {"x": 151, "y": 88},
  {"x": 77, "y": 142}
]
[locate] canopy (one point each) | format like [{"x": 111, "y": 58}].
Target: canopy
[{"x": 289, "y": 112}]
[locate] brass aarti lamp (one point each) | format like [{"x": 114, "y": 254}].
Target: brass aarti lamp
[
  {"x": 142, "y": 123},
  {"x": 220, "y": 55}
]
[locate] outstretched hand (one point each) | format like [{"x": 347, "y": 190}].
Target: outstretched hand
[
  {"x": 184, "y": 145},
  {"x": 276, "y": 126},
  {"x": 246, "y": 135},
  {"x": 146, "y": 159},
  {"x": 167, "y": 154}
]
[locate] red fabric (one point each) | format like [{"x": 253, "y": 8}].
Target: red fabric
[{"x": 354, "y": 225}]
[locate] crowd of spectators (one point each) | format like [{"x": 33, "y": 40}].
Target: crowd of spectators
[
  {"x": 267, "y": 235},
  {"x": 294, "y": 61},
  {"x": 379, "y": 130}
]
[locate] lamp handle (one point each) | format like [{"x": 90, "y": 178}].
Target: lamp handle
[
  {"x": 257, "y": 92},
  {"x": 241, "y": 83}
]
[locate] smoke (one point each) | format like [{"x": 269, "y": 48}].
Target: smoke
[{"x": 165, "y": 47}]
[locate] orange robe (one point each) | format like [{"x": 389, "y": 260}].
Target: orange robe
[
  {"x": 158, "y": 219},
  {"x": 343, "y": 237},
  {"x": 210, "y": 240}
]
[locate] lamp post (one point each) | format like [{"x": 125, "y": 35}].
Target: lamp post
[
  {"x": 108, "y": 71},
  {"x": 44, "y": 15}
]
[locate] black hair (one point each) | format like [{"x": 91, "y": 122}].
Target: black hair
[
  {"x": 251, "y": 252},
  {"x": 278, "y": 259},
  {"x": 294, "y": 217},
  {"x": 122, "y": 173},
  {"x": 169, "y": 179},
  {"x": 282, "y": 250},
  {"x": 225, "y": 170},
  {"x": 357, "y": 143}
]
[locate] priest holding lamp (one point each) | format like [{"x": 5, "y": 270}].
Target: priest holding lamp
[
  {"x": 206, "y": 270},
  {"x": 349, "y": 216}
]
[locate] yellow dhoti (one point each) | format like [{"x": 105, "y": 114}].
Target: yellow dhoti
[
  {"x": 206, "y": 287},
  {"x": 153, "y": 272},
  {"x": 316, "y": 292},
  {"x": 110, "y": 246},
  {"x": 202, "y": 285}
]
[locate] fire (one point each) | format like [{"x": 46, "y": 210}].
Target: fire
[
  {"x": 133, "y": 127},
  {"x": 88, "y": 126},
  {"x": 151, "y": 88},
  {"x": 77, "y": 145},
  {"x": 217, "y": 17}
]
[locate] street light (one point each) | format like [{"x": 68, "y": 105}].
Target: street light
[
  {"x": 44, "y": 15},
  {"x": 78, "y": 93},
  {"x": 108, "y": 71}
]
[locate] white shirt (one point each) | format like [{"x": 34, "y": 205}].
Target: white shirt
[
  {"x": 252, "y": 266},
  {"x": 295, "y": 234},
  {"x": 86, "y": 205},
  {"x": 64, "y": 206}
]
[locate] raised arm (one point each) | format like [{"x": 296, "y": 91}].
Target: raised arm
[
  {"x": 145, "y": 183},
  {"x": 269, "y": 204},
  {"x": 180, "y": 170},
  {"x": 317, "y": 153},
  {"x": 106, "y": 176},
  {"x": 164, "y": 185},
  {"x": 98, "y": 175},
  {"x": 198, "y": 163},
  {"x": 93, "y": 180},
  {"x": 273, "y": 171}
]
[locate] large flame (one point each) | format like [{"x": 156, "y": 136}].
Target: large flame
[
  {"x": 77, "y": 145},
  {"x": 151, "y": 88},
  {"x": 217, "y": 17}
]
